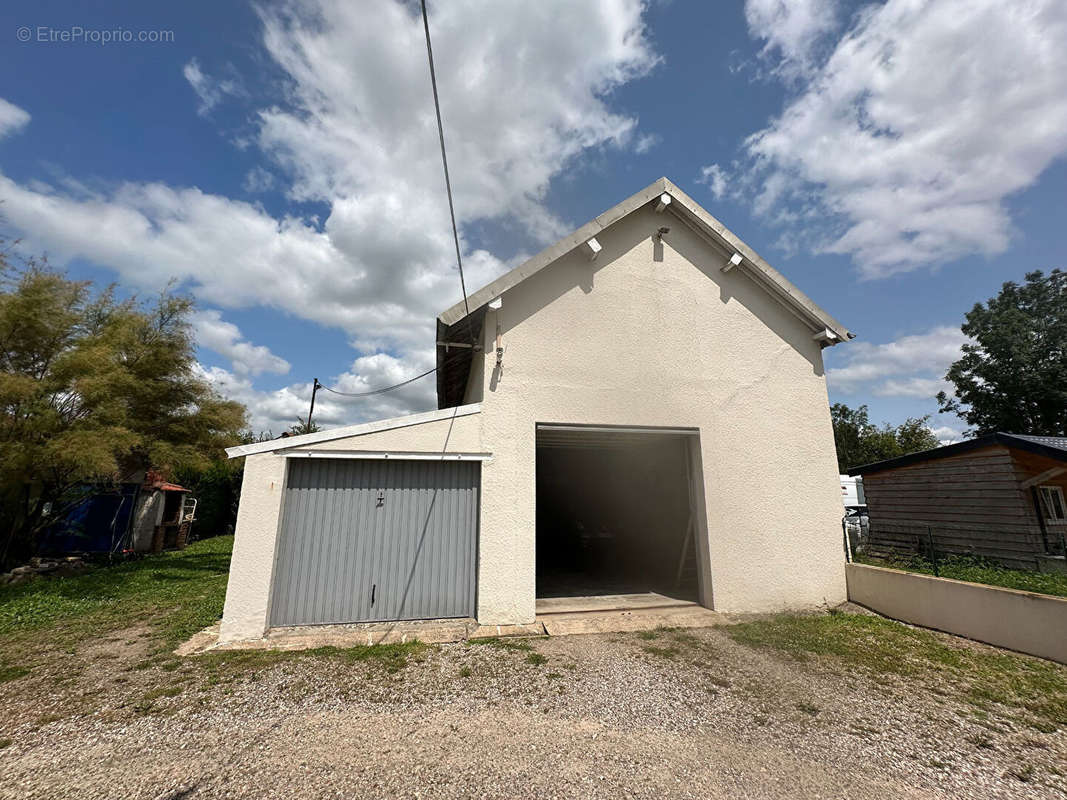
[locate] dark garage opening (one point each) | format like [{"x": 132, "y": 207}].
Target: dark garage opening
[{"x": 613, "y": 513}]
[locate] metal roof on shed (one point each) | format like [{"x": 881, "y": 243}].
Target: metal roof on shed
[
  {"x": 1059, "y": 442},
  {"x": 1048, "y": 446}
]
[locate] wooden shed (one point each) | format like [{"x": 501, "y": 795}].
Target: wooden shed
[{"x": 999, "y": 496}]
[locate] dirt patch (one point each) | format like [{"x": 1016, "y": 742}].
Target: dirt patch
[{"x": 123, "y": 645}]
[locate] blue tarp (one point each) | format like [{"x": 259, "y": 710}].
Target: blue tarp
[{"x": 96, "y": 524}]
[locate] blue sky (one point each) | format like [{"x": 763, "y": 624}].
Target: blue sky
[{"x": 898, "y": 161}]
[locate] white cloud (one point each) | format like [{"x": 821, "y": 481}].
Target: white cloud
[
  {"x": 517, "y": 105},
  {"x": 911, "y": 366},
  {"x": 273, "y": 411},
  {"x": 258, "y": 180},
  {"x": 368, "y": 373},
  {"x": 913, "y": 387},
  {"x": 714, "y": 178},
  {"x": 225, "y": 339},
  {"x": 791, "y": 30},
  {"x": 646, "y": 141},
  {"x": 914, "y": 130},
  {"x": 11, "y": 118},
  {"x": 276, "y": 410},
  {"x": 211, "y": 91},
  {"x": 353, "y": 128},
  {"x": 947, "y": 435}
]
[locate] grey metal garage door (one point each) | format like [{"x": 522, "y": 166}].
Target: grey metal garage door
[{"x": 364, "y": 540}]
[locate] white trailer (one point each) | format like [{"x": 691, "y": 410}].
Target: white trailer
[{"x": 852, "y": 492}]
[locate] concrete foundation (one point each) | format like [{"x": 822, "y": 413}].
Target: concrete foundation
[{"x": 558, "y": 616}]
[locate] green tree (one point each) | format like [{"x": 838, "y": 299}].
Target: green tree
[
  {"x": 91, "y": 389},
  {"x": 217, "y": 488},
  {"x": 859, "y": 441},
  {"x": 1012, "y": 376},
  {"x": 301, "y": 427}
]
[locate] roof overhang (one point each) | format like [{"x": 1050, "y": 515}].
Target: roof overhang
[{"x": 289, "y": 442}]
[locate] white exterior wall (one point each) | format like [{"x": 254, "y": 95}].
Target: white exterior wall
[
  {"x": 252, "y": 565},
  {"x": 647, "y": 335},
  {"x": 460, "y": 435},
  {"x": 632, "y": 340},
  {"x": 248, "y": 591}
]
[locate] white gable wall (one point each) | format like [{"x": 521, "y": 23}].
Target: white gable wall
[{"x": 632, "y": 340}]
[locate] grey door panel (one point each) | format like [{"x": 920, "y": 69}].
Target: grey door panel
[{"x": 365, "y": 540}]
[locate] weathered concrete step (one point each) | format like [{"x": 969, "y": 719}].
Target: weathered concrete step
[
  {"x": 428, "y": 631},
  {"x": 601, "y": 618},
  {"x": 609, "y": 602},
  {"x": 625, "y": 621}
]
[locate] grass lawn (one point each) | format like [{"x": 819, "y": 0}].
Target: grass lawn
[
  {"x": 1033, "y": 691},
  {"x": 175, "y": 594},
  {"x": 963, "y": 568}
]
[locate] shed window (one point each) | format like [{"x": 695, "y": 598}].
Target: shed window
[{"x": 1052, "y": 502}]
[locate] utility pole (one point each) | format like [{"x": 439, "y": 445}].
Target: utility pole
[{"x": 314, "y": 391}]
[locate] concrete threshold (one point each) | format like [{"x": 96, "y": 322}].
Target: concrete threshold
[
  {"x": 309, "y": 637},
  {"x": 627, "y": 621},
  {"x": 565, "y": 616},
  {"x": 609, "y": 602},
  {"x": 557, "y": 616}
]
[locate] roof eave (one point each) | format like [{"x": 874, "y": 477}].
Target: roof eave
[
  {"x": 552, "y": 253},
  {"x": 754, "y": 265},
  {"x": 363, "y": 428}
]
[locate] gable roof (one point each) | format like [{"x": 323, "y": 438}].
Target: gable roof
[
  {"x": 1049, "y": 446},
  {"x": 456, "y": 325},
  {"x": 687, "y": 209}
]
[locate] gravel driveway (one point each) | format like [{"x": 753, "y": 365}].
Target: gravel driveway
[{"x": 672, "y": 714}]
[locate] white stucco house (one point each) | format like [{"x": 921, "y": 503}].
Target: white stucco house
[{"x": 643, "y": 409}]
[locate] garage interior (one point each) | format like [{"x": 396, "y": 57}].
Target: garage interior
[{"x": 615, "y": 515}]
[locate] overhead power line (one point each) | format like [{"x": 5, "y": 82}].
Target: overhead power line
[
  {"x": 444, "y": 161},
  {"x": 455, "y": 235},
  {"x": 383, "y": 390}
]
